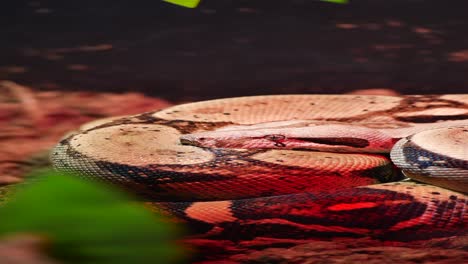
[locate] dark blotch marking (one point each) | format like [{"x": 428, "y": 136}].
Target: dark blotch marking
[
  {"x": 413, "y": 154},
  {"x": 431, "y": 118},
  {"x": 315, "y": 207},
  {"x": 277, "y": 139},
  {"x": 280, "y": 144},
  {"x": 237, "y": 232},
  {"x": 344, "y": 141}
]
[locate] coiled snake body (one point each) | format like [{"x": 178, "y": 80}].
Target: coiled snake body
[{"x": 291, "y": 166}]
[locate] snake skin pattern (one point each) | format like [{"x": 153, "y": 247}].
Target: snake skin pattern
[{"x": 286, "y": 191}]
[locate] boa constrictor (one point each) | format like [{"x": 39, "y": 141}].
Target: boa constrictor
[{"x": 248, "y": 167}]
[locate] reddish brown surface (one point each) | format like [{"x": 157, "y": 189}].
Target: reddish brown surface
[
  {"x": 31, "y": 122},
  {"x": 340, "y": 251}
]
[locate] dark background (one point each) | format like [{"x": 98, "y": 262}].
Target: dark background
[{"x": 229, "y": 48}]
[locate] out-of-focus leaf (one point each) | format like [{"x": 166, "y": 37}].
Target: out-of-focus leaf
[
  {"x": 336, "y": 1},
  {"x": 88, "y": 222},
  {"x": 186, "y": 3},
  {"x": 194, "y": 3}
]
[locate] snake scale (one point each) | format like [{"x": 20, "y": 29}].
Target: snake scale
[{"x": 290, "y": 166}]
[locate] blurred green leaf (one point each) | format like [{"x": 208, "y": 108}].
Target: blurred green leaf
[
  {"x": 336, "y": 1},
  {"x": 88, "y": 222},
  {"x": 194, "y": 3},
  {"x": 186, "y": 3}
]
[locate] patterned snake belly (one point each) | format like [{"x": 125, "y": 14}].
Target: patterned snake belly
[{"x": 291, "y": 166}]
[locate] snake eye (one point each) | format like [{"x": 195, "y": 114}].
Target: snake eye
[{"x": 275, "y": 138}]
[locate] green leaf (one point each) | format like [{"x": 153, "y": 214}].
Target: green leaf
[
  {"x": 186, "y": 3},
  {"x": 336, "y": 1},
  {"x": 88, "y": 222},
  {"x": 194, "y": 3}
]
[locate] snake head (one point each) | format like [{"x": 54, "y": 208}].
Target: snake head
[
  {"x": 234, "y": 139},
  {"x": 335, "y": 138}
]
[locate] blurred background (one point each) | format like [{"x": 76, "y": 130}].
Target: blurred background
[
  {"x": 65, "y": 63},
  {"x": 229, "y": 48}
]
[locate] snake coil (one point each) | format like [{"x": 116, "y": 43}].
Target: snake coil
[{"x": 248, "y": 167}]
